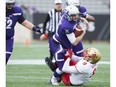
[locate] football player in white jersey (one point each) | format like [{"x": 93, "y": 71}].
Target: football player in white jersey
[{"x": 83, "y": 70}]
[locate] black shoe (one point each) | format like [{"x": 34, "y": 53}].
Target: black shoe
[
  {"x": 50, "y": 64},
  {"x": 59, "y": 78}
]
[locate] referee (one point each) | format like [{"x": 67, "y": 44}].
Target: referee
[
  {"x": 52, "y": 21},
  {"x": 53, "y": 18}
]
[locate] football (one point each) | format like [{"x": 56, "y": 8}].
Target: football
[{"x": 78, "y": 31}]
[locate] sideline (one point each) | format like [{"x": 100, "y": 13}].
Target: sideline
[{"x": 38, "y": 62}]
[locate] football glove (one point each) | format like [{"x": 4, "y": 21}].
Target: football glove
[
  {"x": 69, "y": 53},
  {"x": 37, "y": 29},
  {"x": 44, "y": 37}
]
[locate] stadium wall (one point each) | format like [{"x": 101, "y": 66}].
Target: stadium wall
[
  {"x": 100, "y": 9},
  {"x": 102, "y": 26},
  {"x": 22, "y": 35}
]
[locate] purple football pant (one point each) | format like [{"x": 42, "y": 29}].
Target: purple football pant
[
  {"x": 9, "y": 48},
  {"x": 78, "y": 49},
  {"x": 58, "y": 52}
]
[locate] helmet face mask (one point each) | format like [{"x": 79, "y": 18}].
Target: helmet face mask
[
  {"x": 73, "y": 17},
  {"x": 10, "y": 4},
  {"x": 72, "y": 13},
  {"x": 92, "y": 55}
]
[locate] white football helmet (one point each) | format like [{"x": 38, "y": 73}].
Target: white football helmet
[
  {"x": 58, "y": 1},
  {"x": 10, "y": 1},
  {"x": 10, "y": 4},
  {"x": 92, "y": 55},
  {"x": 73, "y": 2},
  {"x": 71, "y": 13}
]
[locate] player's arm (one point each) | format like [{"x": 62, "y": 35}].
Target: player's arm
[
  {"x": 84, "y": 14},
  {"x": 67, "y": 68},
  {"x": 75, "y": 40},
  {"x": 71, "y": 69},
  {"x": 30, "y": 26},
  {"x": 76, "y": 58},
  {"x": 45, "y": 23},
  {"x": 84, "y": 21},
  {"x": 90, "y": 18},
  {"x": 79, "y": 38},
  {"x": 27, "y": 24},
  {"x": 44, "y": 35},
  {"x": 80, "y": 67}
]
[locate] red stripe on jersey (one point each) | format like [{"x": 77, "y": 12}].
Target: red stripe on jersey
[
  {"x": 77, "y": 70},
  {"x": 72, "y": 63}
]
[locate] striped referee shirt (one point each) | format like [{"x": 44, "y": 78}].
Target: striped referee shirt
[{"x": 52, "y": 19}]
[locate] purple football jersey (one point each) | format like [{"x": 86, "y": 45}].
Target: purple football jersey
[
  {"x": 12, "y": 17},
  {"x": 65, "y": 27}
]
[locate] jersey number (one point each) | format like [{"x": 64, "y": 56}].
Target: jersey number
[{"x": 8, "y": 24}]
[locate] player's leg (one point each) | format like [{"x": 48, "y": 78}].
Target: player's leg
[
  {"x": 48, "y": 60},
  {"x": 78, "y": 49},
  {"x": 51, "y": 55},
  {"x": 58, "y": 53},
  {"x": 9, "y": 48},
  {"x": 60, "y": 62},
  {"x": 50, "y": 64},
  {"x": 49, "y": 37}
]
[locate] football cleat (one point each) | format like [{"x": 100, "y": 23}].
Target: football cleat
[
  {"x": 50, "y": 64},
  {"x": 59, "y": 78},
  {"x": 54, "y": 81}
]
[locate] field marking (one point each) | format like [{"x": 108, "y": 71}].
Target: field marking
[
  {"x": 45, "y": 78},
  {"x": 38, "y": 62}
]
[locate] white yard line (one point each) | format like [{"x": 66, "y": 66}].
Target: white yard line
[
  {"x": 42, "y": 78},
  {"x": 38, "y": 62}
]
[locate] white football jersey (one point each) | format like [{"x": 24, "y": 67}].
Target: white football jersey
[{"x": 84, "y": 72}]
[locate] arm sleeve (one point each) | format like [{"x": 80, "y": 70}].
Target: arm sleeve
[
  {"x": 21, "y": 18},
  {"x": 83, "y": 12},
  {"x": 71, "y": 37},
  {"x": 45, "y": 23},
  {"x": 68, "y": 69},
  {"x": 76, "y": 58}
]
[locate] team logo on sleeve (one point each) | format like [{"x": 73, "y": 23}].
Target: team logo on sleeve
[{"x": 67, "y": 31}]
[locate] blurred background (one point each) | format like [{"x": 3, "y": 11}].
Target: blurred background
[
  {"x": 26, "y": 67},
  {"x": 36, "y": 10}
]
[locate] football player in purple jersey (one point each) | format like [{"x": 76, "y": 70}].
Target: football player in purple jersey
[
  {"x": 14, "y": 14},
  {"x": 82, "y": 9},
  {"x": 64, "y": 38},
  {"x": 78, "y": 49}
]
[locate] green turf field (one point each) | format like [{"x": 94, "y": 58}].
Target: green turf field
[{"x": 39, "y": 75}]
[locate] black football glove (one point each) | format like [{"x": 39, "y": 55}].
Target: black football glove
[{"x": 37, "y": 29}]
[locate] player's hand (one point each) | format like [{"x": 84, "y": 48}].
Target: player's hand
[
  {"x": 44, "y": 37},
  {"x": 69, "y": 53},
  {"x": 83, "y": 30},
  {"x": 85, "y": 22},
  {"x": 37, "y": 29}
]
